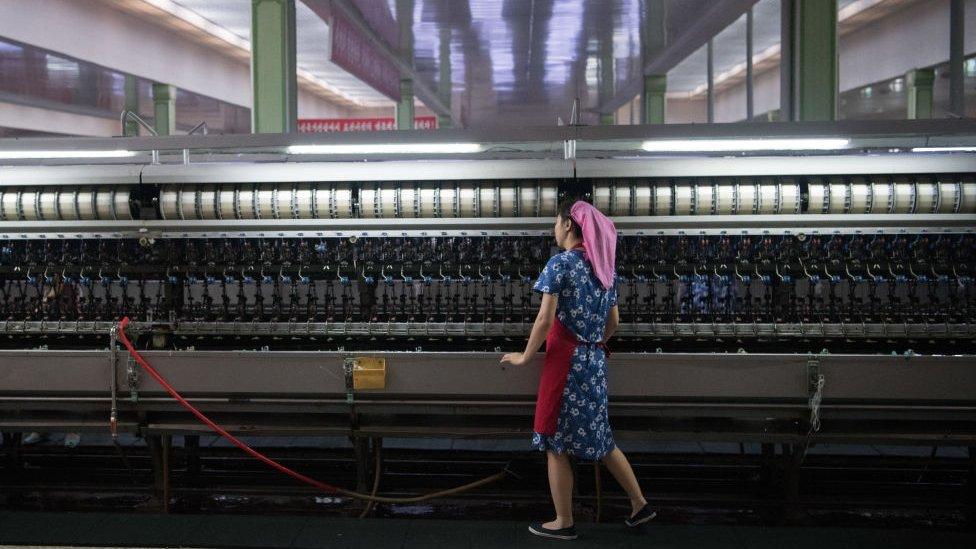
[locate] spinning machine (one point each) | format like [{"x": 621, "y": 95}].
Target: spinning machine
[{"x": 793, "y": 298}]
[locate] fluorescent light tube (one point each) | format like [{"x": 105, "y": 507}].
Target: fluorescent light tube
[
  {"x": 388, "y": 148},
  {"x": 734, "y": 145},
  {"x": 943, "y": 149},
  {"x": 15, "y": 155}
]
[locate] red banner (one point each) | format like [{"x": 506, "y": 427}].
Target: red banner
[
  {"x": 353, "y": 52},
  {"x": 321, "y": 125}
]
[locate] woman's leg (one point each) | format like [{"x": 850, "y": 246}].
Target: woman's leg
[
  {"x": 621, "y": 470},
  {"x": 561, "y": 486}
]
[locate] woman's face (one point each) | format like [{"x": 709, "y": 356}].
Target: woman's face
[{"x": 562, "y": 230}]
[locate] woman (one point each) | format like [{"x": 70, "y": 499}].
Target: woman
[{"x": 577, "y": 316}]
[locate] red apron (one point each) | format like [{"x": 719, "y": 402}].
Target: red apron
[{"x": 560, "y": 345}]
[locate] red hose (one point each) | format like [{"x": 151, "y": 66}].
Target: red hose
[
  {"x": 274, "y": 464},
  {"x": 213, "y": 426}
]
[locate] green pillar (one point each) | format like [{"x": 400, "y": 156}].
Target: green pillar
[
  {"x": 404, "y": 109},
  {"x": 810, "y": 61},
  {"x": 654, "y": 101},
  {"x": 131, "y": 103},
  {"x": 606, "y": 81},
  {"x": 957, "y": 76},
  {"x": 444, "y": 81},
  {"x": 654, "y": 39},
  {"x": 273, "y": 76},
  {"x": 919, "y": 83},
  {"x": 164, "y": 108}
]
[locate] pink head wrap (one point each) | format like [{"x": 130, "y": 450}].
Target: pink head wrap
[{"x": 599, "y": 241}]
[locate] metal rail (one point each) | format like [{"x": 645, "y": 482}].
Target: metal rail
[
  {"x": 877, "y": 133},
  {"x": 810, "y": 224},
  {"x": 517, "y": 329}
]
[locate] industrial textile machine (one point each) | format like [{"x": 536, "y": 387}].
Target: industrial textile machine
[{"x": 775, "y": 296}]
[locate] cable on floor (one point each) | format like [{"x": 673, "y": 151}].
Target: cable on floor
[{"x": 325, "y": 487}]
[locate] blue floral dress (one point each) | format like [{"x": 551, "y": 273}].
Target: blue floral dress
[{"x": 582, "y": 428}]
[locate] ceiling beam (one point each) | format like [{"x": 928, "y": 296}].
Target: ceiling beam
[
  {"x": 720, "y": 14},
  {"x": 421, "y": 89}
]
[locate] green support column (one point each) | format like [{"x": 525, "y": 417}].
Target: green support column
[
  {"x": 654, "y": 101},
  {"x": 654, "y": 39},
  {"x": 812, "y": 59},
  {"x": 606, "y": 80},
  {"x": 957, "y": 76},
  {"x": 164, "y": 108},
  {"x": 920, "y": 83},
  {"x": 131, "y": 89},
  {"x": 404, "y": 108},
  {"x": 273, "y": 76},
  {"x": 444, "y": 81}
]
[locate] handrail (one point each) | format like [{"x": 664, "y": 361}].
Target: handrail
[
  {"x": 126, "y": 116},
  {"x": 205, "y": 130}
]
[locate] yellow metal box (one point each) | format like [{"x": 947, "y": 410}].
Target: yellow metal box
[{"x": 368, "y": 373}]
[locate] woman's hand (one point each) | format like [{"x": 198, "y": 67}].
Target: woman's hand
[
  {"x": 543, "y": 321},
  {"x": 515, "y": 359}
]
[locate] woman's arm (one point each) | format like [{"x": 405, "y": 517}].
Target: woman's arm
[
  {"x": 613, "y": 321},
  {"x": 543, "y": 321}
]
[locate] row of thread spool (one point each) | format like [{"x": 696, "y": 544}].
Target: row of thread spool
[
  {"x": 73, "y": 203},
  {"x": 338, "y": 200},
  {"x": 697, "y": 198},
  {"x": 895, "y": 195},
  {"x": 723, "y": 196},
  {"x": 726, "y": 196}
]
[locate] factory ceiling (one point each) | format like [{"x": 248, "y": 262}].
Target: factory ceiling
[{"x": 522, "y": 62}]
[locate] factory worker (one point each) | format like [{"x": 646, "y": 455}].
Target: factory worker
[{"x": 577, "y": 316}]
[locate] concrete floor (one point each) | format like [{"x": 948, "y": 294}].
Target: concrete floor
[
  {"x": 522, "y": 445},
  {"x": 156, "y": 530}
]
